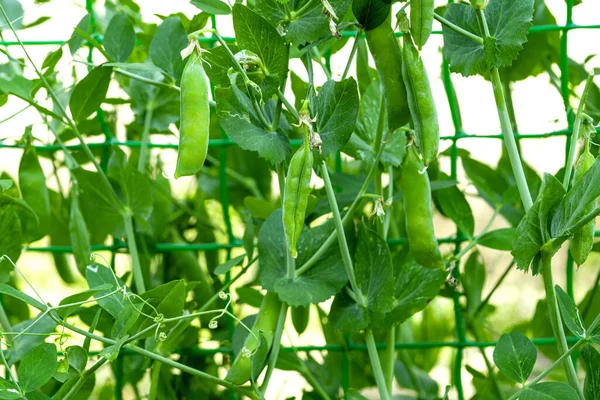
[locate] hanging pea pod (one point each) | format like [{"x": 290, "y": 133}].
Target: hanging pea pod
[
  {"x": 583, "y": 239},
  {"x": 300, "y": 318},
  {"x": 194, "y": 123},
  {"x": 416, "y": 196},
  {"x": 421, "y": 20},
  {"x": 420, "y": 101}
]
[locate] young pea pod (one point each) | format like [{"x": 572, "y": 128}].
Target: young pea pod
[
  {"x": 265, "y": 324},
  {"x": 295, "y": 198},
  {"x": 388, "y": 58},
  {"x": 583, "y": 239},
  {"x": 420, "y": 101},
  {"x": 300, "y": 318},
  {"x": 421, "y": 20},
  {"x": 194, "y": 118},
  {"x": 416, "y": 196}
]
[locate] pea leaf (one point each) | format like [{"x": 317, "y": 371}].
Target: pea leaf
[
  {"x": 218, "y": 63},
  {"x": 508, "y": 21},
  {"x": 515, "y": 356},
  {"x": 64, "y": 312},
  {"x": 591, "y": 359},
  {"x": 569, "y": 312},
  {"x": 336, "y": 110},
  {"x": 499, "y": 239},
  {"x": 89, "y": 93},
  {"x": 14, "y": 11},
  {"x": 168, "y": 299},
  {"x": 52, "y": 59},
  {"x": 455, "y": 206},
  {"x": 78, "y": 358},
  {"x": 348, "y": 316},
  {"x": 473, "y": 280},
  {"x": 78, "y": 233},
  {"x": 319, "y": 283},
  {"x": 37, "y": 367},
  {"x": 8, "y": 390},
  {"x": 32, "y": 182},
  {"x": 75, "y": 41},
  {"x": 119, "y": 39},
  {"x": 100, "y": 276},
  {"x": 227, "y": 265},
  {"x": 549, "y": 391},
  {"x": 10, "y": 240},
  {"x": 165, "y": 50},
  {"x": 370, "y": 13},
  {"x": 216, "y": 7},
  {"x": 39, "y": 328},
  {"x": 11, "y": 291},
  {"x": 126, "y": 319}
]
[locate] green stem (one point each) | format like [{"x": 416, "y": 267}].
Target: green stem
[
  {"x": 248, "y": 182},
  {"x": 319, "y": 59},
  {"x": 389, "y": 359},
  {"x": 83, "y": 378},
  {"x": 314, "y": 382},
  {"x": 4, "y": 323},
  {"x": 146, "y": 136},
  {"x": 458, "y": 29},
  {"x": 376, "y": 364},
  {"x": 287, "y": 104},
  {"x": 488, "y": 364},
  {"x": 555, "y": 321},
  {"x": 146, "y": 80},
  {"x": 473, "y": 242},
  {"x": 352, "y": 53},
  {"x": 496, "y": 286},
  {"x": 297, "y": 14},
  {"x": 575, "y": 135},
  {"x": 154, "y": 380},
  {"x": 138, "y": 276},
  {"x": 509, "y": 105}
]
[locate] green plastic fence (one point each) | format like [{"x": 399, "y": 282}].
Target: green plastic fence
[{"x": 461, "y": 341}]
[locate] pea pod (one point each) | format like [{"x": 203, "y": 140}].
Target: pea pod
[
  {"x": 386, "y": 52},
  {"x": 583, "y": 239},
  {"x": 194, "y": 130},
  {"x": 420, "y": 101},
  {"x": 265, "y": 323},
  {"x": 421, "y": 20},
  {"x": 300, "y": 318},
  {"x": 416, "y": 197},
  {"x": 295, "y": 198}
]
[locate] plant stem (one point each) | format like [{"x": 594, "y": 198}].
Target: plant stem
[
  {"x": 83, "y": 378},
  {"x": 389, "y": 359},
  {"x": 575, "y": 135},
  {"x": 138, "y": 276},
  {"x": 352, "y": 53},
  {"x": 146, "y": 136},
  {"x": 375, "y": 363},
  {"x": 146, "y": 80},
  {"x": 274, "y": 354},
  {"x": 5, "y": 323},
  {"x": 555, "y": 321},
  {"x": 496, "y": 286},
  {"x": 458, "y": 29},
  {"x": 287, "y": 104},
  {"x": 155, "y": 378}
]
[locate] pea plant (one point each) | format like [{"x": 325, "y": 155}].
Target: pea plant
[{"x": 295, "y": 208}]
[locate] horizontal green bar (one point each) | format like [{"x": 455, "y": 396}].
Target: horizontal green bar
[{"x": 159, "y": 247}]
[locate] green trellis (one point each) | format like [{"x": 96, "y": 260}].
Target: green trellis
[{"x": 461, "y": 341}]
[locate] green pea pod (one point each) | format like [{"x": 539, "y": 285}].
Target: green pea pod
[
  {"x": 420, "y": 101},
  {"x": 295, "y": 198},
  {"x": 194, "y": 123},
  {"x": 80, "y": 238},
  {"x": 265, "y": 323},
  {"x": 583, "y": 239},
  {"x": 421, "y": 20},
  {"x": 388, "y": 59},
  {"x": 416, "y": 196},
  {"x": 63, "y": 268},
  {"x": 300, "y": 318}
]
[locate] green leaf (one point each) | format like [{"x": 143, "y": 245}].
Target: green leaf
[
  {"x": 250, "y": 296},
  {"x": 78, "y": 358},
  {"x": 32, "y": 182},
  {"x": 489, "y": 184},
  {"x": 165, "y": 50},
  {"x": 5, "y": 184},
  {"x": 8, "y": 390},
  {"x": 168, "y": 299},
  {"x": 227, "y": 265},
  {"x": 319, "y": 283},
  {"x": 76, "y": 298},
  {"x": 75, "y": 41},
  {"x": 119, "y": 39},
  {"x": 99, "y": 276},
  {"x": 52, "y": 59},
  {"x": 549, "y": 391},
  {"x": 515, "y": 356},
  {"x": 373, "y": 270},
  {"x": 37, "y": 367},
  {"x": 89, "y": 93},
  {"x": 126, "y": 319},
  {"x": 591, "y": 359},
  {"x": 236, "y": 116},
  {"x": 370, "y": 13},
  {"x": 574, "y": 205},
  {"x": 14, "y": 11},
  {"x": 455, "y": 206},
  {"x": 336, "y": 109},
  {"x": 216, "y": 7},
  {"x": 112, "y": 352},
  {"x": 508, "y": 22},
  {"x": 499, "y": 239},
  {"x": 38, "y": 328},
  {"x": 11, "y": 291},
  {"x": 473, "y": 280},
  {"x": 78, "y": 233},
  {"x": 10, "y": 239},
  {"x": 347, "y": 316},
  {"x": 424, "y": 385},
  {"x": 570, "y": 313},
  {"x": 532, "y": 233},
  {"x": 219, "y": 62},
  {"x": 254, "y": 33}
]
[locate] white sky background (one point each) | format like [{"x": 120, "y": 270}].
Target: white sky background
[{"x": 538, "y": 107}]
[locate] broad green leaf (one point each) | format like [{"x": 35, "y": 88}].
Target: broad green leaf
[
  {"x": 515, "y": 356},
  {"x": 78, "y": 358},
  {"x": 336, "y": 109},
  {"x": 237, "y": 118},
  {"x": 32, "y": 183},
  {"x": 227, "y": 265},
  {"x": 374, "y": 271},
  {"x": 347, "y": 316},
  {"x": 38, "y": 328},
  {"x": 473, "y": 280},
  {"x": 499, "y": 239},
  {"x": 165, "y": 50},
  {"x": 11, "y": 291},
  {"x": 75, "y": 41},
  {"x": 168, "y": 299},
  {"x": 218, "y": 63},
  {"x": 569, "y": 312},
  {"x": 119, "y": 39},
  {"x": 14, "y": 11},
  {"x": 549, "y": 391},
  {"x": 216, "y": 7},
  {"x": 424, "y": 385},
  {"x": 64, "y": 312},
  {"x": 100, "y": 276},
  {"x": 455, "y": 206},
  {"x": 250, "y": 296},
  {"x": 37, "y": 367},
  {"x": 319, "y": 283},
  {"x": 532, "y": 233},
  {"x": 8, "y": 390},
  {"x": 370, "y": 13},
  {"x": 52, "y": 59},
  {"x": 508, "y": 22},
  {"x": 575, "y": 204},
  {"x": 591, "y": 359},
  {"x": 254, "y": 33},
  {"x": 126, "y": 319},
  {"x": 10, "y": 239},
  {"x": 89, "y": 93}
]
